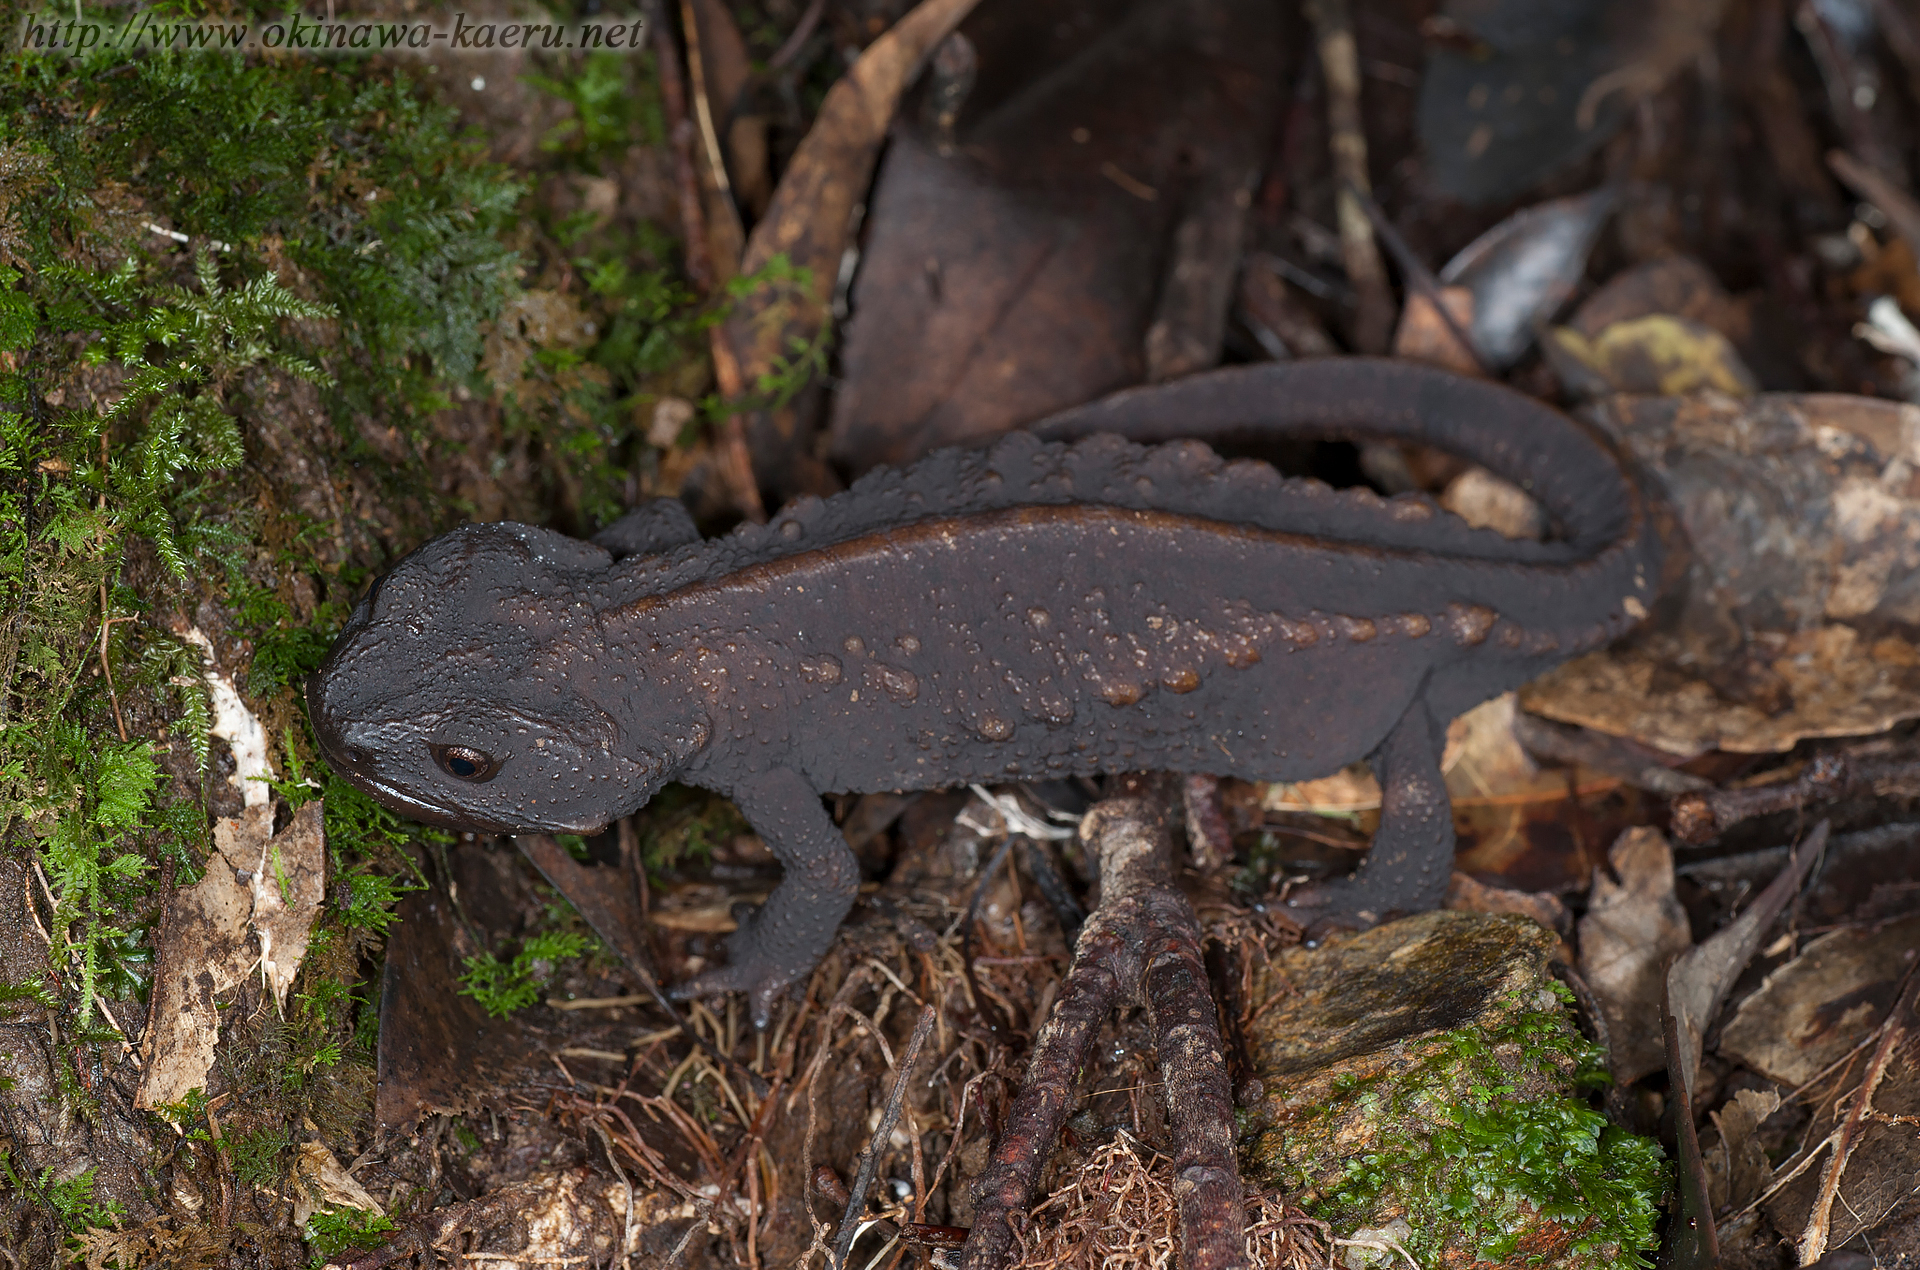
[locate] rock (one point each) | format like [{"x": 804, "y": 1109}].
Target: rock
[{"x": 1422, "y": 1076}]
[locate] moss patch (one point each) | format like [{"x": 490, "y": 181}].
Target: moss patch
[
  {"x": 234, "y": 433},
  {"x": 1453, "y": 1119}
]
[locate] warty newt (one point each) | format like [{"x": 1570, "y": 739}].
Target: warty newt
[{"x": 1066, "y": 601}]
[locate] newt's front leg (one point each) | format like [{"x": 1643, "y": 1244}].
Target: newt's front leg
[
  {"x": 788, "y": 935},
  {"x": 1407, "y": 868}
]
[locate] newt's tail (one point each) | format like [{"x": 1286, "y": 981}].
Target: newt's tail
[{"x": 1595, "y": 581}]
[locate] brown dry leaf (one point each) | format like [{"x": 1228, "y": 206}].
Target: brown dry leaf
[
  {"x": 1078, "y": 235},
  {"x": 320, "y": 1183},
  {"x": 1699, "y": 979},
  {"x": 204, "y": 952},
  {"x": 1424, "y": 336},
  {"x": 810, "y": 223},
  {"x": 1880, "y": 1173},
  {"x": 726, "y": 71},
  {"x": 1659, "y": 353},
  {"x": 1466, "y": 894},
  {"x": 1802, "y": 516},
  {"x": 1821, "y": 1004},
  {"x": 289, "y": 883},
  {"x": 208, "y": 946},
  {"x": 1889, "y": 270},
  {"x": 1737, "y": 1165},
  {"x": 439, "y": 1049},
  {"x": 1633, "y": 928}
]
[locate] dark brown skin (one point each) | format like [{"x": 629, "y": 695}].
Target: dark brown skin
[{"x": 1032, "y": 610}]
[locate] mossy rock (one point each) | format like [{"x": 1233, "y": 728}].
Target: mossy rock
[{"x": 1421, "y": 1087}]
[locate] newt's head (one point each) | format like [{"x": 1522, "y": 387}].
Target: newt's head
[{"x": 466, "y": 689}]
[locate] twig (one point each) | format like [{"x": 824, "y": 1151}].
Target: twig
[
  {"x": 106, "y": 671},
  {"x": 1701, "y": 816},
  {"x": 1901, "y": 30},
  {"x": 1692, "y": 1238},
  {"x": 736, "y": 468},
  {"x": 802, "y": 32},
  {"x": 999, "y": 856},
  {"x": 959, "y": 1127},
  {"x": 1143, "y": 931},
  {"x": 615, "y": 916},
  {"x": 735, "y": 454},
  {"x": 606, "y": 1140},
  {"x": 680, "y": 129},
  {"x": 1844, "y": 77},
  {"x": 869, "y": 1166},
  {"x": 855, "y": 979},
  {"x": 1347, "y": 139},
  {"x": 1808, "y": 1155},
  {"x": 1414, "y": 270},
  {"x": 1813, "y": 1241},
  {"x": 1902, "y": 210}
]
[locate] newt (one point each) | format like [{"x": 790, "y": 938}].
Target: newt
[{"x": 1070, "y": 600}]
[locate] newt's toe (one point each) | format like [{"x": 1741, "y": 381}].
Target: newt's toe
[
  {"x": 763, "y": 986},
  {"x": 1334, "y": 906}
]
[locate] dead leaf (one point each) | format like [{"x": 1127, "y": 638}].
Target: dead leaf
[
  {"x": 320, "y": 1183},
  {"x": 214, "y": 933},
  {"x": 1423, "y": 336},
  {"x": 1633, "y": 928},
  {"x": 1878, "y": 1180},
  {"x": 1657, "y": 354},
  {"x": 1469, "y": 895},
  {"x": 1698, "y": 981},
  {"x": 1522, "y": 270},
  {"x": 1798, "y": 512},
  {"x": 1092, "y": 197},
  {"x": 289, "y": 882},
  {"x": 439, "y": 1050},
  {"x": 1821, "y": 1004},
  {"x": 810, "y": 223},
  {"x": 1737, "y": 1165}
]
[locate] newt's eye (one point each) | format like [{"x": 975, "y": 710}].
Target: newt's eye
[{"x": 465, "y": 763}]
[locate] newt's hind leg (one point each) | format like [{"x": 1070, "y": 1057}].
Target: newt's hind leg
[{"x": 1407, "y": 868}]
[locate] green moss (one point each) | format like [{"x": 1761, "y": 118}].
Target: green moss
[
  {"x": 1481, "y": 1143},
  {"x": 75, "y": 1203},
  {"x": 333, "y": 1232},
  {"x": 255, "y": 1156},
  {"x": 503, "y": 987},
  {"x": 342, "y": 235},
  {"x": 684, "y": 823}
]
